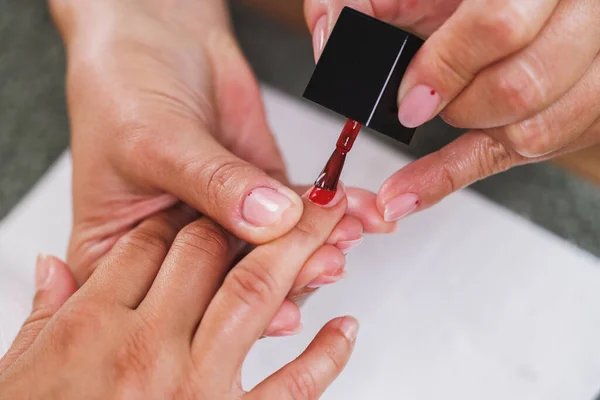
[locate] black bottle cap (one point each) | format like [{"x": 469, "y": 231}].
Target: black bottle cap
[{"x": 359, "y": 72}]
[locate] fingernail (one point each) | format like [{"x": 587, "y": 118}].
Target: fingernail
[
  {"x": 400, "y": 207},
  {"x": 325, "y": 280},
  {"x": 44, "y": 272},
  {"x": 349, "y": 327},
  {"x": 326, "y": 198},
  {"x": 346, "y": 245},
  {"x": 264, "y": 206},
  {"x": 282, "y": 333},
  {"x": 319, "y": 36},
  {"x": 418, "y": 106}
]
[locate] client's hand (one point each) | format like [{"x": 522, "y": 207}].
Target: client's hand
[
  {"x": 163, "y": 317},
  {"x": 164, "y": 108}
]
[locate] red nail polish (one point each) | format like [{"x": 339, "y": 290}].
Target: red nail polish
[{"x": 326, "y": 183}]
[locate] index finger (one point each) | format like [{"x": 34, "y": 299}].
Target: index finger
[{"x": 256, "y": 287}]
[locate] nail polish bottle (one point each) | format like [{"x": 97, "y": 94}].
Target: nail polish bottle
[{"x": 359, "y": 72}]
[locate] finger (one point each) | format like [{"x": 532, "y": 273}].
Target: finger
[
  {"x": 255, "y": 288},
  {"x": 54, "y": 285},
  {"x": 286, "y": 321},
  {"x": 529, "y": 81},
  {"x": 477, "y": 35},
  {"x": 190, "y": 275},
  {"x": 309, "y": 375},
  {"x": 324, "y": 267},
  {"x": 347, "y": 233},
  {"x": 127, "y": 272},
  {"x": 559, "y": 124},
  {"x": 422, "y": 183},
  {"x": 362, "y": 205},
  {"x": 197, "y": 169}
]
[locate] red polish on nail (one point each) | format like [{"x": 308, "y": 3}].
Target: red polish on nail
[
  {"x": 432, "y": 93},
  {"x": 326, "y": 183}
]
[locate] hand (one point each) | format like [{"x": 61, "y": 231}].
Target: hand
[
  {"x": 523, "y": 74},
  {"x": 161, "y": 311},
  {"x": 163, "y": 108}
]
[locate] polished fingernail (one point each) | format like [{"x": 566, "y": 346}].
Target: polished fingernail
[
  {"x": 264, "y": 206},
  {"x": 401, "y": 206},
  {"x": 349, "y": 327},
  {"x": 325, "y": 280},
  {"x": 326, "y": 198},
  {"x": 319, "y": 36},
  {"x": 282, "y": 333},
  {"x": 418, "y": 106},
  {"x": 346, "y": 245},
  {"x": 44, "y": 271}
]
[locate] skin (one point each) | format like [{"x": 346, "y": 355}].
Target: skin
[
  {"x": 118, "y": 337},
  {"x": 164, "y": 108},
  {"x": 523, "y": 76}
]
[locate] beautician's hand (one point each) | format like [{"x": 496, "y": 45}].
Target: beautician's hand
[
  {"x": 161, "y": 318},
  {"x": 164, "y": 107},
  {"x": 524, "y": 75}
]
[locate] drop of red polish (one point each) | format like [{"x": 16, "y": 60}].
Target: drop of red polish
[
  {"x": 326, "y": 183},
  {"x": 432, "y": 93}
]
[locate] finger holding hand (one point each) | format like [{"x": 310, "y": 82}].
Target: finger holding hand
[
  {"x": 307, "y": 377},
  {"x": 256, "y": 287},
  {"x": 477, "y": 35},
  {"x": 526, "y": 83}
]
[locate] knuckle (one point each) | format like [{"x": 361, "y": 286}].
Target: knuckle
[
  {"x": 505, "y": 25},
  {"x": 221, "y": 174},
  {"x": 520, "y": 89},
  {"x": 204, "y": 237},
  {"x": 146, "y": 240},
  {"x": 492, "y": 156},
  {"x": 530, "y": 138},
  {"x": 252, "y": 283},
  {"x": 301, "y": 383},
  {"x": 78, "y": 322}
]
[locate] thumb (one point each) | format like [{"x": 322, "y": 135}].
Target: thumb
[
  {"x": 241, "y": 197},
  {"x": 54, "y": 285}
]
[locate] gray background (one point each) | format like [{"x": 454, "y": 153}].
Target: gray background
[{"x": 34, "y": 129}]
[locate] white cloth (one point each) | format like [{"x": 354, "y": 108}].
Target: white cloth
[{"x": 466, "y": 301}]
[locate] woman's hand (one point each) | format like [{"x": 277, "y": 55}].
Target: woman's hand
[
  {"x": 525, "y": 75},
  {"x": 163, "y": 108},
  {"x": 163, "y": 309}
]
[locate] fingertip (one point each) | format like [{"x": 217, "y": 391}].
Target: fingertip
[
  {"x": 349, "y": 327},
  {"x": 364, "y": 206},
  {"x": 286, "y": 322},
  {"x": 54, "y": 281}
]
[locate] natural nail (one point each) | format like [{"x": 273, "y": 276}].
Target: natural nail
[
  {"x": 399, "y": 207},
  {"x": 346, "y": 245},
  {"x": 349, "y": 327},
  {"x": 324, "y": 280},
  {"x": 44, "y": 271},
  {"x": 264, "y": 206},
  {"x": 319, "y": 36},
  {"x": 418, "y": 106}
]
